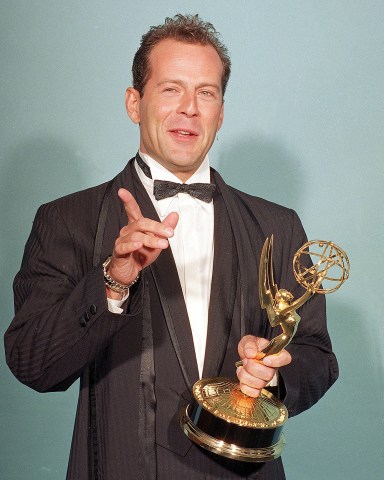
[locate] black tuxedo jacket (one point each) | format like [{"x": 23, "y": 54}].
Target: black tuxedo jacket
[{"x": 136, "y": 369}]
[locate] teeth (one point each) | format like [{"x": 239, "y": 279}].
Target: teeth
[{"x": 182, "y": 132}]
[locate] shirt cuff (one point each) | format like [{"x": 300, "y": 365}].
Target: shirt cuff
[
  {"x": 274, "y": 382},
  {"x": 114, "y": 306}
]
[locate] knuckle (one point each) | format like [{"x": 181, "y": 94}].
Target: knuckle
[
  {"x": 240, "y": 374},
  {"x": 247, "y": 338},
  {"x": 119, "y": 249},
  {"x": 138, "y": 223},
  {"x": 123, "y": 231}
]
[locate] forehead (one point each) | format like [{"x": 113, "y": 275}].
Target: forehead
[{"x": 171, "y": 57}]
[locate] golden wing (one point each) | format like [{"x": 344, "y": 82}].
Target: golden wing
[{"x": 267, "y": 286}]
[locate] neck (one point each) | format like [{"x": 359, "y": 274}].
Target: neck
[{"x": 203, "y": 170}]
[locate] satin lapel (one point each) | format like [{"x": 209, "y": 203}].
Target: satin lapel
[
  {"x": 167, "y": 282},
  {"x": 223, "y": 289},
  {"x": 249, "y": 239}
]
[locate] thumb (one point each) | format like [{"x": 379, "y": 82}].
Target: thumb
[{"x": 171, "y": 220}]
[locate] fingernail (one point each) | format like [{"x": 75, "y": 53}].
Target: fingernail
[
  {"x": 162, "y": 243},
  {"x": 267, "y": 361},
  {"x": 169, "y": 231}
]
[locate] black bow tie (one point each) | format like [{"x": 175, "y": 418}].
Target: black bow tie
[
  {"x": 202, "y": 191},
  {"x": 164, "y": 189}
]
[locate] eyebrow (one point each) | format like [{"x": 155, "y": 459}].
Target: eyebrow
[{"x": 182, "y": 84}]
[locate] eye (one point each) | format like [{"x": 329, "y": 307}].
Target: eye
[
  {"x": 208, "y": 94},
  {"x": 170, "y": 90}
]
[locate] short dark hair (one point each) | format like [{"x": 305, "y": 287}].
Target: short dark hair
[{"x": 183, "y": 28}]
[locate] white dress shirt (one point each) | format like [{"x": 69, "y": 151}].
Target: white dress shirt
[{"x": 191, "y": 245}]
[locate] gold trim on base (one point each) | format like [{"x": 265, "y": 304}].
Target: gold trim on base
[
  {"x": 255, "y": 455},
  {"x": 223, "y": 398}
]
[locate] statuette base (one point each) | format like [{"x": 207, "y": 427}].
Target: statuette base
[{"x": 230, "y": 450}]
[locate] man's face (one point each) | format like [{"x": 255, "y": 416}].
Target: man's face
[{"x": 181, "y": 109}]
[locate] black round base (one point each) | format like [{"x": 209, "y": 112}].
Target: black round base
[{"x": 231, "y": 440}]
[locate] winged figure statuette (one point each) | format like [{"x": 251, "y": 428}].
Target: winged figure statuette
[{"x": 279, "y": 303}]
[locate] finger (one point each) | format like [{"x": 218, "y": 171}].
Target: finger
[
  {"x": 280, "y": 360},
  {"x": 131, "y": 207},
  {"x": 249, "y": 391},
  {"x": 252, "y": 370},
  {"x": 129, "y": 244},
  {"x": 246, "y": 340},
  {"x": 146, "y": 226},
  {"x": 251, "y": 346},
  {"x": 249, "y": 384},
  {"x": 125, "y": 248}
]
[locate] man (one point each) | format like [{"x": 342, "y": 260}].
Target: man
[{"x": 139, "y": 294}]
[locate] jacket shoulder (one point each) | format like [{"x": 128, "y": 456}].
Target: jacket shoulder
[
  {"x": 80, "y": 207},
  {"x": 266, "y": 211},
  {"x": 87, "y": 202}
]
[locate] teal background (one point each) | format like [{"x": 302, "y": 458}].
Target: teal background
[{"x": 304, "y": 118}]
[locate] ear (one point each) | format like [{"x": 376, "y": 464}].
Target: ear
[
  {"x": 221, "y": 117},
  {"x": 132, "y": 104}
]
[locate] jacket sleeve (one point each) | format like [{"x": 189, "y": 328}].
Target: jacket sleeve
[
  {"x": 62, "y": 320},
  {"x": 314, "y": 366}
]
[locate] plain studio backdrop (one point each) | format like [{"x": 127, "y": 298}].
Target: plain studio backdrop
[{"x": 304, "y": 126}]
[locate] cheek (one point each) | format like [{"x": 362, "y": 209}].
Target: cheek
[
  {"x": 155, "y": 122},
  {"x": 214, "y": 119},
  {"x": 157, "y": 116},
  {"x": 213, "y": 126},
  {"x": 163, "y": 113}
]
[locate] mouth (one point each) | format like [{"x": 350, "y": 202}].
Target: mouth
[{"x": 183, "y": 133}]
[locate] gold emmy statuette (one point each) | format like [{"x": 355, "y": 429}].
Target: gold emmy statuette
[{"x": 229, "y": 423}]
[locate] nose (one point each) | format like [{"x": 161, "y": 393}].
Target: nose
[{"x": 188, "y": 105}]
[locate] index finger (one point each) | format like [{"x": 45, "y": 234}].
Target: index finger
[{"x": 131, "y": 207}]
